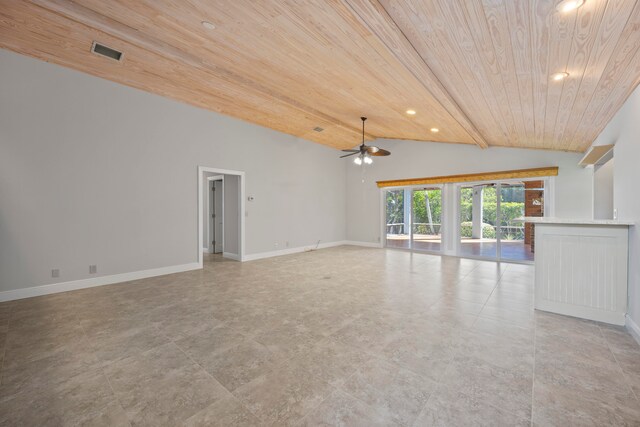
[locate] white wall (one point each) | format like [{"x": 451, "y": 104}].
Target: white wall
[
  {"x": 410, "y": 159},
  {"x": 624, "y": 132},
  {"x": 93, "y": 172},
  {"x": 603, "y": 191}
]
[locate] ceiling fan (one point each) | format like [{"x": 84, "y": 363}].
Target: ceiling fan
[{"x": 365, "y": 152}]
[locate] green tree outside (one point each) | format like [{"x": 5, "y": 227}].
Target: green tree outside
[{"x": 511, "y": 207}]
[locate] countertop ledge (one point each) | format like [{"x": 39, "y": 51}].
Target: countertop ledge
[{"x": 570, "y": 221}]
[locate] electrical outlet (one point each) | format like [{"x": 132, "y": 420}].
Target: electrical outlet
[
  {"x": 55, "y": 273},
  {"x": 275, "y": 245},
  {"x": 93, "y": 269}
]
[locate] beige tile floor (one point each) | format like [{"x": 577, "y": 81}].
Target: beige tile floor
[{"x": 342, "y": 336}]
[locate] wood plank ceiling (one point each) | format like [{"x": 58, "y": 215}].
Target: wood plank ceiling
[{"x": 479, "y": 71}]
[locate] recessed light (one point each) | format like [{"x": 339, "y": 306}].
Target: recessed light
[
  {"x": 569, "y": 5},
  {"x": 559, "y": 76},
  {"x": 435, "y": 130},
  {"x": 208, "y": 25},
  {"x": 411, "y": 112}
]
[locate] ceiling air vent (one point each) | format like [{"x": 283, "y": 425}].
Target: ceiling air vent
[
  {"x": 103, "y": 50},
  {"x": 318, "y": 129}
]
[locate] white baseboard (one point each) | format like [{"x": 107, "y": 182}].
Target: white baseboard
[
  {"x": 633, "y": 328},
  {"x": 289, "y": 251},
  {"x": 231, "y": 256},
  {"x": 93, "y": 282},
  {"x": 205, "y": 250},
  {"x": 365, "y": 244}
]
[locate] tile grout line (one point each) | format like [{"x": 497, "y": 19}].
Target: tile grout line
[
  {"x": 355, "y": 397},
  {"x": 438, "y": 385},
  {"x": 477, "y": 317},
  {"x": 332, "y": 390},
  {"x": 106, "y": 377},
  {"x": 533, "y": 382},
  {"x": 624, "y": 374},
  {"x": 213, "y": 378},
  {"x": 489, "y": 297},
  {"x": 115, "y": 395},
  {"x": 4, "y": 347}
]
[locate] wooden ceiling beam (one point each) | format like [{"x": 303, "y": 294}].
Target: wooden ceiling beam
[
  {"x": 375, "y": 18},
  {"x": 83, "y": 15}
]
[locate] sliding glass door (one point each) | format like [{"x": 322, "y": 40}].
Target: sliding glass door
[
  {"x": 414, "y": 219},
  {"x": 489, "y": 225},
  {"x": 520, "y": 199},
  {"x": 512, "y": 231},
  {"x": 426, "y": 225},
  {"x": 398, "y": 218},
  {"x": 477, "y": 221},
  {"x": 486, "y": 223}
]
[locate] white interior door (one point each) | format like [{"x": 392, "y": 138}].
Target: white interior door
[{"x": 218, "y": 216}]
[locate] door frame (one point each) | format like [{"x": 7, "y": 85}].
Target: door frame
[
  {"x": 210, "y": 248},
  {"x": 241, "y": 209},
  {"x": 549, "y": 183},
  {"x": 411, "y": 188},
  {"x": 411, "y": 222}
]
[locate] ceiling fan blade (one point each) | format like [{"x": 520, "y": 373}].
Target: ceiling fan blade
[
  {"x": 351, "y": 154},
  {"x": 380, "y": 152},
  {"x": 351, "y": 151},
  {"x": 372, "y": 149}
]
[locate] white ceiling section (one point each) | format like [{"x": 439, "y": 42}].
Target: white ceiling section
[{"x": 480, "y": 71}]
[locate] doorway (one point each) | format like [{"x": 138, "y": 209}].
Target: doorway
[{"x": 221, "y": 213}]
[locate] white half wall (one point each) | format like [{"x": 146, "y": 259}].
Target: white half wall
[
  {"x": 411, "y": 159},
  {"x": 624, "y": 132},
  {"x": 93, "y": 172}
]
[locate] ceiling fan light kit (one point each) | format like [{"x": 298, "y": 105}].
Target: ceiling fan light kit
[{"x": 364, "y": 152}]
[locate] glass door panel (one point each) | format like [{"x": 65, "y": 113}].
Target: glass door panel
[
  {"x": 427, "y": 219},
  {"x": 398, "y": 218},
  {"x": 518, "y": 200},
  {"x": 478, "y": 215}
]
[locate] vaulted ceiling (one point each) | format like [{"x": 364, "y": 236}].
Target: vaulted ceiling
[{"x": 479, "y": 71}]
